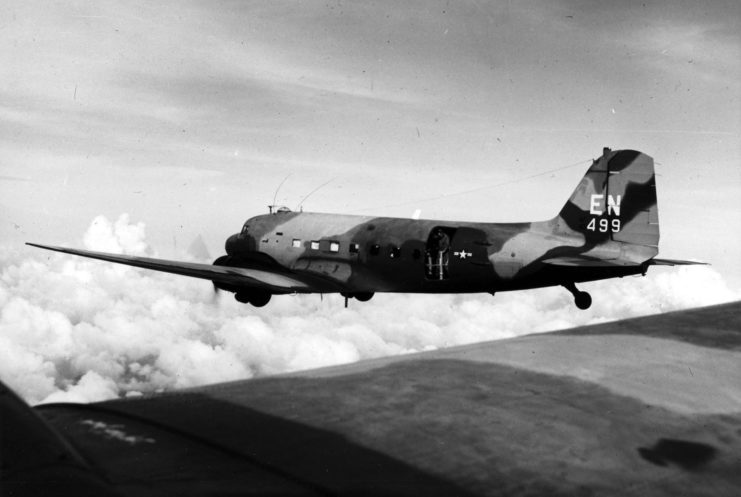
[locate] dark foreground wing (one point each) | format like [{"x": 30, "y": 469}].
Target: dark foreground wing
[
  {"x": 510, "y": 417},
  {"x": 36, "y": 460},
  {"x": 257, "y": 278}
]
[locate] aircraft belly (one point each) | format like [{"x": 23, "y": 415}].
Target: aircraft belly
[
  {"x": 542, "y": 275},
  {"x": 507, "y": 270}
]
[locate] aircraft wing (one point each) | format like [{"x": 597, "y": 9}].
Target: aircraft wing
[
  {"x": 258, "y": 278},
  {"x": 643, "y": 406}
]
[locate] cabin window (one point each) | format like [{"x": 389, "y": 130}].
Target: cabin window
[
  {"x": 375, "y": 249},
  {"x": 314, "y": 245},
  {"x": 394, "y": 252},
  {"x": 334, "y": 246},
  {"x": 296, "y": 243},
  {"x": 354, "y": 248}
]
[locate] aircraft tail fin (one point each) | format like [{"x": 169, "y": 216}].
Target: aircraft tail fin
[{"x": 616, "y": 201}]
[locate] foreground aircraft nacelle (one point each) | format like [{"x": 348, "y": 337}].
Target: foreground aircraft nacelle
[{"x": 608, "y": 228}]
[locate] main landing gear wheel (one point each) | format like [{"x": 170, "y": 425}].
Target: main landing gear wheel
[
  {"x": 582, "y": 299},
  {"x": 260, "y": 299},
  {"x": 257, "y": 299},
  {"x": 359, "y": 296},
  {"x": 363, "y": 296}
]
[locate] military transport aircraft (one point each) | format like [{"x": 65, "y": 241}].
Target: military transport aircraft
[{"x": 608, "y": 228}]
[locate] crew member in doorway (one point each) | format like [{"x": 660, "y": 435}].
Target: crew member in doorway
[{"x": 439, "y": 245}]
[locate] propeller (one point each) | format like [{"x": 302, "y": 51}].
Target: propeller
[{"x": 221, "y": 261}]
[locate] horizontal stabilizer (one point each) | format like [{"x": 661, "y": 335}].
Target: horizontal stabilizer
[
  {"x": 675, "y": 262},
  {"x": 588, "y": 262}
]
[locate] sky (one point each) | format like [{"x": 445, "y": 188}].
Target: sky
[{"x": 150, "y": 124}]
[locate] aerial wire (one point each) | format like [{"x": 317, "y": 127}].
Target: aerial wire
[
  {"x": 312, "y": 192},
  {"x": 477, "y": 189}
]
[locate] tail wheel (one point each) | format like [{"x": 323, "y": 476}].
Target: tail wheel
[{"x": 583, "y": 300}]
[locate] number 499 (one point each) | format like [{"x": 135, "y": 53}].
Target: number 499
[{"x": 604, "y": 225}]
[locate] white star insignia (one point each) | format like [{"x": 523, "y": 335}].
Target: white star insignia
[{"x": 463, "y": 254}]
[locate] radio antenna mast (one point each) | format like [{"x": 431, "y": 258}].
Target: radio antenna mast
[{"x": 275, "y": 196}]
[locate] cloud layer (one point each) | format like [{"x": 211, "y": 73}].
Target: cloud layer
[{"x": 73, "y": 329}]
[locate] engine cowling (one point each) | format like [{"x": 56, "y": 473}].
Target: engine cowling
[{"x": 224, "y": 260}]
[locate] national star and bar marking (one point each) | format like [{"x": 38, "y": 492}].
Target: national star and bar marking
[{"x": 463, "y": 254}]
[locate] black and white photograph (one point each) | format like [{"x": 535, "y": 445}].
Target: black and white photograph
[{"x": 472, "y": 248}]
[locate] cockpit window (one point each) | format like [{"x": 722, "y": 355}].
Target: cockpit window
[{"x": 245, "y": 229}]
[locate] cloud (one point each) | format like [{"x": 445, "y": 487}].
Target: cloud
[
  {"x": 119, "y": 237},
  {"x": 91, "y": 387},
  {"x": 74, "y": 329}
]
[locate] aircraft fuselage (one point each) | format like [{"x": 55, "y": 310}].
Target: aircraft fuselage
[{"x": 357, "y": 254}]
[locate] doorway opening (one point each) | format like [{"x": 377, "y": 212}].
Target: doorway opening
[{"x": 437, "y": 253}]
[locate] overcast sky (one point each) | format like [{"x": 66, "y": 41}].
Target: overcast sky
[{"x": 187, "y": 115}]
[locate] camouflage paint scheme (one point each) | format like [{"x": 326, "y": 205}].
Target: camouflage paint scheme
[
  {"x": 503, "y": 256},
  {"x": 608, "y": 228}
]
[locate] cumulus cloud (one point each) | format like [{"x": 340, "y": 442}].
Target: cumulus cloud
[
  {"x": 74, "y": 329},
  {"x": 118, "y": 238}
]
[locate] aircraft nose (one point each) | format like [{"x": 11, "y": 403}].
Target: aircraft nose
[{"x": 231, "y": 244}]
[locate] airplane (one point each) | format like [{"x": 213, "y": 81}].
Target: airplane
[{"x": 608, "y": 228}]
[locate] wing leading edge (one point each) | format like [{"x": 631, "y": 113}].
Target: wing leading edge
[{"x": 238, "y": 276}]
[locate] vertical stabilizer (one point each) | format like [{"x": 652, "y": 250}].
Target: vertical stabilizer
[{"x": 616, "y": 201}]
